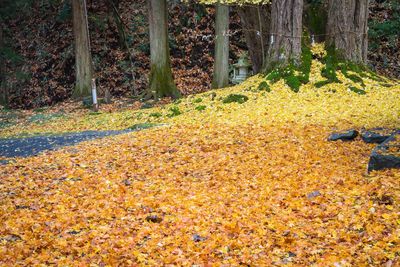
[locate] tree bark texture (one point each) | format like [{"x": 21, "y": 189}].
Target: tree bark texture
[
  {"x": 83, "y": 60},
  {"x": 347, "y": 29},
  {"x": 255, "y": 22},
  {"x": 161, "y": 82},
  {"x": 285, "y": 33},
  {"x": 221, "y": 53}
]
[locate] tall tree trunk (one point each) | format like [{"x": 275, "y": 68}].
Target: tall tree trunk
[
  {"x": 285, "y": 33},
  {"x": 3, "y": 86},
  {"x": 347, "y": 29},
  {"x": 221, "y": 54},
  {"x": 161, "y": 82},
  {"x": 83, "y": 59},
  {"x": 255, "y": 22}
]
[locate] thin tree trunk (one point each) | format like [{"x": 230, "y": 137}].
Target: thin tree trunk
[
  {"x": 161, "y": 81},
  {"x": 221, "y": 54},
  {"x": 3, "y": 86},
  {"x": 347, "y": 29},
  {"x": 113, "y": 6},
  {"x": 285, "y": 33},
  {"x": 255, "y": 22},
  {"x": 83, "y": 60}
]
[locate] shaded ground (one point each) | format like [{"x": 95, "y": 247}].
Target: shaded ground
[{"x": 25, "y": 147}]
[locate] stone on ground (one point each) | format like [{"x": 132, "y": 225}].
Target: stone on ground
[
  {"x": 386, "y": 155},
  {"x": 344, "y": 136},
  {"x": 376, "y": 135}
]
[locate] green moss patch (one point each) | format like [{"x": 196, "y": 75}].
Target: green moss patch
[
  {"x": 155, "y": 115},
  {"x": 174, "y": 111},
  {"x": 264, "y": 86},
  {"x": 200, "y": 108},
  {"x": 357, "y": 90},
  {"x": 295, "y": 74},
  {"x": 235, "y": 98}
]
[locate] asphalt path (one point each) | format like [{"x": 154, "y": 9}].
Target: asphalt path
[{"x": 31, "y": 146}]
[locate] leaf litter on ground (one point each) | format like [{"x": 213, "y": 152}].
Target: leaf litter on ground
[{"x": 255, "y": 183}]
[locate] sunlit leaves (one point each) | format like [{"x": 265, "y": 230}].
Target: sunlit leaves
[
  {"x": 248, "y": 191},
  {"x": 232, "y": 184}
]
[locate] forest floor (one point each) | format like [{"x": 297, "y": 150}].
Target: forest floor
[{"x": 236, "y": 176}]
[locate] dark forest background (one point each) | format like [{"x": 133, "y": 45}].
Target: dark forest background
[{"x": 38, "y": 54}]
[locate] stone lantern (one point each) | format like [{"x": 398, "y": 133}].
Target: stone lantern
[{"x": 241, "y": 69}]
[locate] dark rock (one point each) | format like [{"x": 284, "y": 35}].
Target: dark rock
[
  {"x": 313, "y": 194},
  {"x": 377, "y": 135},
  {"x": 386, "y": 155},
  {"x": 345, "y": 136},
  {"x": 197, "y": 238},
  {"x": 74, "y": 232},
  {"x": 153, "y": 219}
]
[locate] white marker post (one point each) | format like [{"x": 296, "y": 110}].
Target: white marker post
[{"x": 94, "y": 96}]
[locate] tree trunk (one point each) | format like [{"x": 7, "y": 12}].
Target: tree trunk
[
  {"x": 221, "y": 53},
  {"x": 83, "y": 60},
  {"x": 285, "y": 33},
  {"x": 161, "y": 82},
  {"x": 255, "y": 22},
  {"x": 3, "y": 86},
  {"x": 347, "y": 29}
]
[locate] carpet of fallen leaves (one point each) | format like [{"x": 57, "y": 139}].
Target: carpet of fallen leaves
[
  {"x": 219, "y": 194},
  {"x": 227, "y": 184}
]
